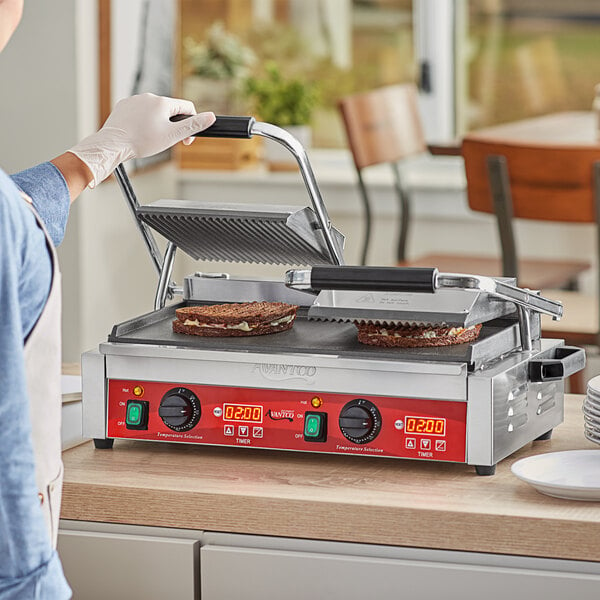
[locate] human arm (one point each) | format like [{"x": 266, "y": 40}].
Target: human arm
[
  {"x": 49, "y": 191},
  {"x": 75, "y": 172},
  {"x": 138, "y": 126}
]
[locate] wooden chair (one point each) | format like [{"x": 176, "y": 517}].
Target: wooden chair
[
  {"x": 545, "y": 183},
  {"x": 384, "y": 126}
]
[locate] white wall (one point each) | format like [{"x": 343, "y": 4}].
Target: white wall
[
  {"x": 39, "y": 107},
  {"x": 38, "y": 72},
  {"x": 48, "y": 102}
]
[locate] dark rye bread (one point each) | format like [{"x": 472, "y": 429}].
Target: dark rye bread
[
  {"x": 258, "y": 316},
  {"x": 413, "y": 336}
]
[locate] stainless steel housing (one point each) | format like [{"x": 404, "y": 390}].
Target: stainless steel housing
[{"x": 505, "y": 410}]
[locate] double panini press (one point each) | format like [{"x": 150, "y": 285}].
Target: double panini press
[{"x": 315, "y": 388}]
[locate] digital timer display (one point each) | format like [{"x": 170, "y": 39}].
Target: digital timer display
[
  {"x": 243, "y": 412},
  {"x": 425, "y": 425}
]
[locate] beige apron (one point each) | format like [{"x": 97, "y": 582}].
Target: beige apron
[{"x": 43, "y": 372}]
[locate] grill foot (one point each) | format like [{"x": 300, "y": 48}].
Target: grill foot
[
  {"x": 485, "y": 469},
  {"x": 103, "y": 443},
  {"x": 544, "y": 436}
]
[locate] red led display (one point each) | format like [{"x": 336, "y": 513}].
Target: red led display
[
  {"x": 243, "y": 412},
  {"x": 425, "y": 425}
]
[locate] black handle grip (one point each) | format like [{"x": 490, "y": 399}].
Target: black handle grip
[
  {"x": 374, "y": 279},
  {"x": 225, "y": 127},
  {"x": 566, "y": 361}
]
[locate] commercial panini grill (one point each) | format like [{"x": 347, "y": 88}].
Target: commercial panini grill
[{"x": 315, "y": 388}]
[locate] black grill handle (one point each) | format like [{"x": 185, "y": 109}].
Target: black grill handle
[
  {"x": 374, "y": 279},
  {"x": 565, "y": 361},
  {"x": 225, "y": 127}
]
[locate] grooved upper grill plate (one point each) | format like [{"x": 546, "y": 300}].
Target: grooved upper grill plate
[{"x": 241, "y": 233}]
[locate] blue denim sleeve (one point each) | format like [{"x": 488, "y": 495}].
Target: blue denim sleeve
[
  {"x": 48, "y": 189},
  {"x": 29, "y": 568}
]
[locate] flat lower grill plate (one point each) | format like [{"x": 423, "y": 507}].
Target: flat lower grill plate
[{"x": 316, "y": 337}]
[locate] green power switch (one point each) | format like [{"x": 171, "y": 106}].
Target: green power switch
[
  {"x": 315, "y": 427},
  {"x": 136, "y": 416},
  {"x": 312, "y": 426}
]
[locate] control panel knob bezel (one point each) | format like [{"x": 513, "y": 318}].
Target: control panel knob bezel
[
  {"x": 360, "y": 421},
  {"x": 183, "y": 401}
]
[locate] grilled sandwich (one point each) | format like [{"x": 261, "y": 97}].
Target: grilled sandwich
[
  {"x": 415, "y": 336},
  {"x": 232, "y": 320}
]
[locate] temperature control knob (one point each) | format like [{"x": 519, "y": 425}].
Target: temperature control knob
[
  {"x": 180, "y": 409},
  {"x": 360, "y": 421}
]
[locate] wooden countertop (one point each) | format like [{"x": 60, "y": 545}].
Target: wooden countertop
[{"x": 344, "y": 498}]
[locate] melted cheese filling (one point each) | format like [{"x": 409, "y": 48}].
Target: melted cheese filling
[
  {"x": 453, "y": 332},
  {"x": 242, "y": 326}
]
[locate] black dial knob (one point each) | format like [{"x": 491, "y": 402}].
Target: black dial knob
[
  {"x": 360, "y": 421},
  {"x": 180, "y": 409}
]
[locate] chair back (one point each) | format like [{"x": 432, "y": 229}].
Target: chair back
[
  {"x": 531, "y": 181},
  {"x": 546, "y": 182},
  {"x": 383, "y": 125}
]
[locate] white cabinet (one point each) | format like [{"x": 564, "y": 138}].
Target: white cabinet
[
  {"x": 119, "y": 562},
  {"x": 261, "y": 568},
  {"x": 128, "y": 562}
]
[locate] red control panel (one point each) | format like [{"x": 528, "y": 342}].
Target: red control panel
[{"x": 287, "y": 420}]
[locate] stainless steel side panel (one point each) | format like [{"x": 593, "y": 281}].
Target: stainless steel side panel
[
  {"x": 506, "y": 411},
  {"x": 289, "y": 372},
  {"x": 93, "y": 383}
]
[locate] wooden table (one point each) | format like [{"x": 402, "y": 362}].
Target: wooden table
[
  {"x": 370, "y": 500},
  {"x": 568, "y": 128},
  {"x": 576, "y": 128}
]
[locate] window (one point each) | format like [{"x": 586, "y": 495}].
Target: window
[
  {"x": 341, "y": 46},
  {"x": 521, "y": 58}
]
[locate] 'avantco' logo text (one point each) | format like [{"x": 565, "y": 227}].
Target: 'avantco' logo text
[{"x": 277, "y": 372}]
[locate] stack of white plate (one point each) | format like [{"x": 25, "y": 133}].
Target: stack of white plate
[{"x": 591, "y": 411}]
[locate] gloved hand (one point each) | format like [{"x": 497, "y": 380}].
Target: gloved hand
[{"x": 139, "y": 126}]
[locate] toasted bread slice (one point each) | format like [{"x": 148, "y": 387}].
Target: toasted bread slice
[
  {"x": 233, "y": 320},
  {"x": 405, "y": 336}
]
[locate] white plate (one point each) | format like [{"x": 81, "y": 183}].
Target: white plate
[
  {"x": 591, "y": 410},
  {"x": 574, "y": 474}
]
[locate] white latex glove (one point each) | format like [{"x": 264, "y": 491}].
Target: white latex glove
[{"x": 137, "y": 127}]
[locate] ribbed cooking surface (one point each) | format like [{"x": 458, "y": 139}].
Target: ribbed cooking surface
[{"x": 240, "y": 233}]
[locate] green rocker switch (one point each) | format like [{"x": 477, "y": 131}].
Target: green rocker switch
[
  {"x": 136, "y": 416},
  {"x": 315, "y": 427}
]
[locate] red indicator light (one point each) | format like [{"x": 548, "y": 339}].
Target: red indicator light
[
  {"x": 243, "y": 412},
  {"x": 425, "y": 425}
]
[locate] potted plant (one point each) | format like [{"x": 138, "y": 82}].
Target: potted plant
[
  {"x": 286, "y": 102},
  {"x": 215, "y": 69},
  {"x": 214, "y": 72}
]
